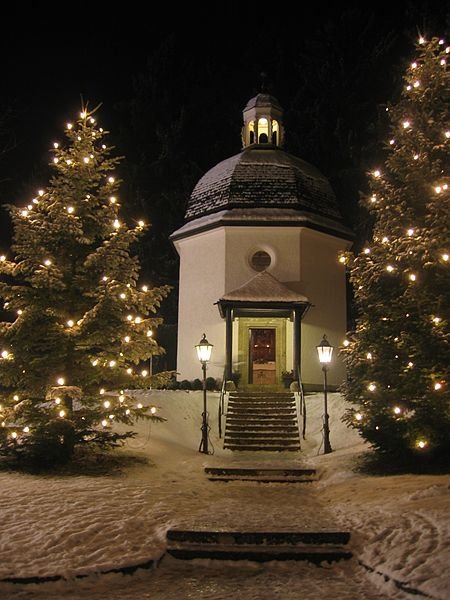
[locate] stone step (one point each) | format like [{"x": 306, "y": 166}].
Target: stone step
[
  {"x": 274, "y": 440},
  {"x": 278, "y": 420},
  {"x": 261, "y": 434},
  {"x": 261, "y": 405},
  {"x": 259, "y": 546},
  {"x": 270, "y": 412},
  {"x": 261, "y": 475},
  {"x": 258, "y": 428},
  {"x": 264, "y": 448}
]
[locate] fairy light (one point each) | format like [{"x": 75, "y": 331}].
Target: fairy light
[
  {"x": 129, "y": 370},
  {"x": 5, "y": 354},
  {"x": 123, "y": 296},
  {"x": 26, "y": 429},
  {"x": 57, "y": 401},
  {"x": 83, "y": 114},
  {"x": 422, "y": 444},
  {"x": 94, "y": 362},
  {"x": 56, "y": 160},
  {"x": 149, "y": 333},
  {"x": 416, "y": 157},
  {"x": 14, "y": 435},
  {"x": 2, "y": 258},
  {"x": 60, "y": 381},
  {"x": 121, "y": 398},
  {"x": 105, "y": 423},
  {"x": 113, "y": 199},
  {"x": 138, "y": 320},
  {"x": 346, "y": 343},
  {"x": 20, "y": 312},
  {"x": 421, "y": 40},
  {"x": 62, "y": 414},
  {"x": 438, "y": 386},
  {"x": 366, "y": 250},
  {"x": 342, "y": 260},
  {"x": 70, "y": 323},
  {"x": 16, "y": 398},
  {"x": 144, "y": 373},
  {"x": 389, "y": 268},
  {"x": 24, "y": 213},
  {"x": 55, "y": 145},
  {"x": 406, "y": 124},
  {"x": 391, "y": 142},
  {"x": 145, "y": 288},
  {"x": 358, "y": 416},
  {"x": 70, "y": 209},
  {"x": 153, "y": 410},
  {"x": 376, "y": 173},
  {"x": 111, "y": 417},
  {"x": 68, "y": 161},
  {"x": 69, "y": 126},
  {"x": 371, "y": 387},
  {"x": 128, "y": 411},
  {"x": 412, "y": 277},
  {"x": 416, "y": 84},
  {"x": 397, "y": 410},
  {"x": 369, "y": 356},
  {"x": 384, "y": 240},
  {"x": 438, "y": 189},
  {"x": 447, "y": 134},
  {"x": 436, "y": 320},
  {"x": 410, "y": 231},
  {"x": 139, "y": 405},
  {"x": 106, "y": 403},
  {"x": 129, "y": 317},
  {"x": 112, "y": 363},
  {"x": 413, "y": 65},
  {"x": 102, "y": 391},
  {"x": 141, "y": 223},
  {"x": 86, "y": 159},
  {"x": 105, "y": 278},
  {"x": 373, "y": 198},
  {"x": 116, "y": 224},
  {"x": 111, "y": 180}
]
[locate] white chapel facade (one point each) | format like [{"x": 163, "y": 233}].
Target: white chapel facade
[{"x": 259, "y": 268}]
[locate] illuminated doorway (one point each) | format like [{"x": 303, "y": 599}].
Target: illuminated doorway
[{"x": 262, "y": 352}]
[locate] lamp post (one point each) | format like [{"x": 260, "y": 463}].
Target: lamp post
[
  {"x": 204, "y": 349},
  {"x": 325, "y": 351}
]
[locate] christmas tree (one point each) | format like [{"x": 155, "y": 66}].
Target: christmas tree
[
  {"x": 398, "y": 356},
  {"x": 78, "y": 326}
]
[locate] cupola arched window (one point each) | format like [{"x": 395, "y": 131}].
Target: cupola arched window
[
  {"x": 274, "y": 132},
  {"x": 263, "y": 130},
  {"x": 251, "y": 131}
]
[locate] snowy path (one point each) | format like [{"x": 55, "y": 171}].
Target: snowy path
[{"x": 74, "y": 526}]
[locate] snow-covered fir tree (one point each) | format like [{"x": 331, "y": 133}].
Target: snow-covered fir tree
[
  {"x": 398, "y": 357},
  {"x": 78, "y": 326}
]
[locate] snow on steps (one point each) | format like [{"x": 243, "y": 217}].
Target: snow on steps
[
  {"x": 312, "y": 546},
  {"x": 261, "y": 475},
  {"x": 260, "y": 421}
]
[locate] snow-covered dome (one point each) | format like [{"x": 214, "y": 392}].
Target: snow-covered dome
[{"x": 263, "y": 176}]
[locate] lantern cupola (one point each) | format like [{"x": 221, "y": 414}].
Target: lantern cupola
[{"x": 262, "y": 121}]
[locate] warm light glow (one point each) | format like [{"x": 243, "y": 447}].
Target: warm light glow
[
  {"x": 129, "y": 317},
  {"x": 447, "y": 134},
  {"x": 5, "y": 354},
  {"x": 141, "y": 223},
  {"x": 358, "y": 416},
  {"x": 60, "y": 381},
  {"x": 139, "y": 405},
  {"x": 86, "y": 159},
  {"x": 204, "y": 350},
  {"x": 410, "y": 231},
  {"x": 149, "y": 333},
  {"x": 127, "y": 412},
  {"x": 438, "y": 386},
  {"x": 105, "y": 278},
  {"x": 69, "y": 125},
  {"x": 412, "y": 277},
  {"x": 406, "y": 124},
  {"x": 422, "y": 444},
  {"x": 369, "y": 356},
  {"x": 104, "y": 423},
  {"x": 410, "y": 364},
  {"x": 373, "y": 198},
  {"x": 384, "y": 240},
  {"x": 70, "y": 209},
  {"x": 102, "y": 391},
  {"x": 55, "y": 145},
  {"x": 70, "y": 323},
  {"x": 436, "y": 320},
  {"x": 416, "y": 84},
  {"x": 397, "y": 410},
  {"x": 62, "y": 413},
  {"x": 111, "y": 179},
  {"x": 346, "y": 343},
  {"x": 438, "y": 189},
  {"x": 342, "y": 259},
  {"x": 413, "y": 65},
  {"x": 391, "y": 142},
  {"x": 57, "y": 400},
  {"x": 14, "y": 435},
  {"x": 129, "y": 371},
  {"x": 2, "y": 258},
  {"x": 153, "y": 410},
  {"x": 20, "y": 311},
  {"x": 106, "y": 403},
  {"x": 116, "y": 224},
  {"x": 377, "y": 173},
  {"x": 325, "y": 351},
  {"x": 16, "y": 398},
  {"x": 371, "y": 387},
  {"x": 112, "y": 363},
  {"x": 389, "y": 268},
  {"x": 366, "y": 250},
  {"x": 138, "y": 320},
  {"x": 144, "y": 288},
  {"x": 83, "y": 114},
  {"x": 24, "y": 213},
  {"x": 127, "y": 338},
  {"x": 26, "y": 429},
  {"x": 421, "y": 40},
  {"x": 123, "y": 296},
  {"x": 95, "y": 362},
  {"x": 144, "y": 373},
  {"x": 47, "y": 262},
  {"x": 416, "y": 157}
]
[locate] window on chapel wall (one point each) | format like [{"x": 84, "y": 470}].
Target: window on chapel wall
[
  {"x": 263, "y": 130},
  {"x": 260, "y": 260}
]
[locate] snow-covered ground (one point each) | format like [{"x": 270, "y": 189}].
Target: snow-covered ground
[{"x": 85, "y": 525}]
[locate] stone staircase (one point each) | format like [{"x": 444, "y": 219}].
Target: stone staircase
[
  {"x": 259, "y": 546},
  {"x": 264, "y": 421}
]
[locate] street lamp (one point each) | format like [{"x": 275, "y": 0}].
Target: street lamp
[
  {"x": 204, "y": 349},
  {"x": 325, "y": 351}
]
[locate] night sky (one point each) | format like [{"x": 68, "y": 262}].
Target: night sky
[{"x": 51, "y": 58}]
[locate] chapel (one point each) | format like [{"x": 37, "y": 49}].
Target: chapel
[{"x": 259, "y": 263}]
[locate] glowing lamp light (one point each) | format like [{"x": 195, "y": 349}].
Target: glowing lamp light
[
  {"x": 325, "y": 351},
  {"x": 149, "y": 333},
  {"x": 129, "y": 317},
  {"x": 106, "y": 403},
  {"x": 26, "y": 429},
  {"x": 437, "y": 320},
  {"x": 145, "y": 288},
  {"x": 5, "y": 354},
  {"x": 416, "y": 157},
  {"x": 138, "y": 320},
  {"x": 412, "y": 277},
  {"x": 129, "y": 371},
  {"x": 410, "y": 231},
  {"x": 204, "y": 349},
  {"x": 346, "y": 343},
  {"x": 369, "y": 356},
  {"x": 94, "y": 362},
  {"x": 60, "y": 381},
  {"x": 111, "y": 180},
  {"x": 69, "y": 126},
  {"x": 397, "y": 410},
  {"x": 57, "y": 401},
  {"x": 116, "y": 224},
  {"x": 438, "y": 386},
  {"x": 366, "y": 250},
  {"x": 153, "y": 410},
  {"x": 391, "y": 142},
  {"x": 384, "y": 240},
  {"x": 141, "y": 223},
  {"x": 20, "y": 311},
  {"x": 144, "y": 373},
  {"x": 113, "y": 199},
  {"x": 112, "y": 363},
  {"x": 102, "y": 391},
  {"x": 62, "y": 414},
  {"x": 447, "y": 134},
  {"x": 123, "y": 296},
  {"x": 416, "y": 84},
  {"x": 16, "y": 398},
  {"x": 406, "y": 124},
  {"x": 70, "y": 323},
  {"x": 389, "y": 268},
  {"x": 413, "y": 65},
  {"x": 86, "y": 159},
  {"x": 438, "y": 189},
  {"x": 24, "y": 213},
  {"x": 127, "y": 339},
  {"x": 104, "y": 423},
  {"x": 342, "y": 260},
  {"x": 422, "y": 444},
  {"x": 55, "y": 145},
  {"x": 127, "y": 412},
  {"x": 83, "y": 114},
  {"x": 2, "y": 258},
  {"x": 371, "y": 387},
  {"x": 139, "y": 405},
  {"x": 14, "y": 435},
  {"x": 421, "y": 40},
  {"x": 358, "y": 416},
  {"x": 376, "y": 173}
]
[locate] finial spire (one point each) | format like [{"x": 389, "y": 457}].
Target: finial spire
[{"x": 263, "y": 82}]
